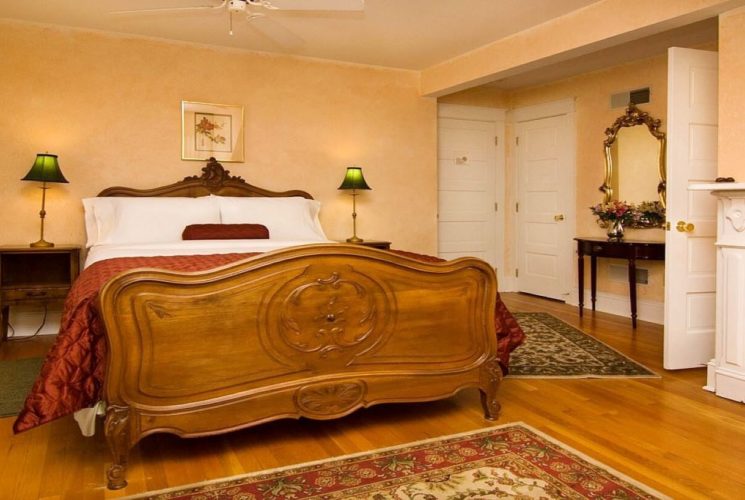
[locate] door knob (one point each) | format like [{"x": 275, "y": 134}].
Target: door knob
[
  {"x": 559, "y": 217},
  {"x": 684, "y": 227},
  {"x": 461, "y": 160}
]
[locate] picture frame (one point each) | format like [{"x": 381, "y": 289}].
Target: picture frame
[{"x": 211, "y": 130}]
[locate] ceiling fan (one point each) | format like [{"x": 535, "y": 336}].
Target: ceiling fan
[{"x": 251, "y": 8}]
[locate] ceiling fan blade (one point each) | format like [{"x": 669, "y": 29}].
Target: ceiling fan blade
[
  {"x": 348, "y": 5},
  {"x": 275, "y": 32},
  {"x": 170, "y": 9}
]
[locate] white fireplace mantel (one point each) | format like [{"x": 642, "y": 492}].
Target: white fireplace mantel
[{"x": 726, "y": 372}]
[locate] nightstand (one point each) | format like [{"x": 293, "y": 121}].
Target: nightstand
[
  {"x": 383, "y": 245},
  {"x": 35, "y": 276}
]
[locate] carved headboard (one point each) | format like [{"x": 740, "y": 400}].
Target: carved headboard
[{"x": 214, "y": 180}]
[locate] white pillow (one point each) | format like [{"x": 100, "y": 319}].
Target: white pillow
[
  {"x": 91, "y": 227},
  {"x": 123, "y": 220},
  {"x": 292, "y": 218}
]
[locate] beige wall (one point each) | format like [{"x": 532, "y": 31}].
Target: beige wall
[
  {"x": 732, "y": 94},
  {"x": 109, "y": 106},
  {"x": 487, "y": 97}
]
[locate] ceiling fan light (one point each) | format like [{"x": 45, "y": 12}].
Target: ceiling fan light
[{"x": 237, "y": 5}]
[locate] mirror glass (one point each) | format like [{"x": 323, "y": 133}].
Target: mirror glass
[
  {"x": 636, "y": 175},
  {"x": 634, "y": 159}
]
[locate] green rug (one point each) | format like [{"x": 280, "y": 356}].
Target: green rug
[
  {"x": 16, "y": 378},
  {"x": 554, "y": 349}
]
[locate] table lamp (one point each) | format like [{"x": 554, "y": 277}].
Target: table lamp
[
  {"x": 354, "y": 180},
  {"x": 45, "y": 169}
]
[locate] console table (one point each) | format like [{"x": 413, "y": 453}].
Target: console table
[{"x": 624, "y": 249}]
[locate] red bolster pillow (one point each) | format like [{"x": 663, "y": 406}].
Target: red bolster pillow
[{"x": 225, "y": 232}]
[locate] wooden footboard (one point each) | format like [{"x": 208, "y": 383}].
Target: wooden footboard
[{"x": 316, "y": 331}]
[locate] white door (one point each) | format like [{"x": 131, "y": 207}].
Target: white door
[
  {"x": 545, "y": 205},
  {"x": 467, "y": 198},
  {"x": 690, "y": 255}
]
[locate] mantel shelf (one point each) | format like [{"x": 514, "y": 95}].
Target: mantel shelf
[{"x": 718, "y": 186}]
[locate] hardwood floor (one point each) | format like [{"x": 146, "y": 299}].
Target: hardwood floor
[{"x": 667, "y": 432}]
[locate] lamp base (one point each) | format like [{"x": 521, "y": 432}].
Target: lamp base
[
  {"x": 41, "y": 244},
  {"x": 354, "y": 239}
]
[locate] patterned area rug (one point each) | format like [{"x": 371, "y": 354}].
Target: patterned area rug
[
  {"x": 509, "y": 461},
  {"x": 16, "y": 378},
  {"x": 553, "y": 348}
]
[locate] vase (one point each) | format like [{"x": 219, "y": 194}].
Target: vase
[{"x": 615, "y": 233}]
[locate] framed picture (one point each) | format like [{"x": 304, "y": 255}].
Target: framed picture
[{"x": 211, "y": 130}]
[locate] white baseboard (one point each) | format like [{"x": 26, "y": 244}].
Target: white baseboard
[
  {"x": 726, "y": 382},
  {"x": 26, "y": 321},
  {"x": 646, "y": 310}
]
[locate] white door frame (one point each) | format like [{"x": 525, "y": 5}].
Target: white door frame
[
  {"x": 497, "y": 116},
  {"x": 537, "y": 112}
]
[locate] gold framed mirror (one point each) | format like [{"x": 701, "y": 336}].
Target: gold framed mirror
[{"x": 634, "y": 159}]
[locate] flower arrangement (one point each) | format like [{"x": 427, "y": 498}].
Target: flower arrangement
[
  {"x": 613, "y": 211},
  {"x": 647, "y": 214}
]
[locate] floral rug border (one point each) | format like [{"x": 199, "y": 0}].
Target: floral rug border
[{"x": 305, "y": 465}]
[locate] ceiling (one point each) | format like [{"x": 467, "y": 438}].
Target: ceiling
[
  {"x": 692, "y": 35},
  {"x": 410, "y": 34}
]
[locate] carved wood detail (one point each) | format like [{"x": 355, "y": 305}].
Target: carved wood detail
[
  {"x": 330, "y": 399},
  {"x": 214, "y": 175},
  {"x": 736, "y": 215},
  {"x": 215, "y": 179},
  {"x": 160, "y": 311},
  {"x": 329, "y": 314},
  {"x": 634, "y": 116},
  {"x": 491, "y": 378},
  {"x": 116, "y": 429}
]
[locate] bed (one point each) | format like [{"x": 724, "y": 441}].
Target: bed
[{"x": 204, "y": 344}]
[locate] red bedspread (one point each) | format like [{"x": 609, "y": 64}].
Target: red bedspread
[{"x": 72, "y": 375}]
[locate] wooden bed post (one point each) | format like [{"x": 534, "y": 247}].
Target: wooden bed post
[
  {"x": 491, "y": 377},
  {"x": 117, "y": 436}
]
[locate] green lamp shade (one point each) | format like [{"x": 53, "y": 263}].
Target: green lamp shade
[
  {"x": 354, "y": 179},
  {"x": 45, "y": 169}
]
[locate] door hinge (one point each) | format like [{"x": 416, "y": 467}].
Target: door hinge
[
  {"x": 517, "y": 140},
  {"x": 496, "y": 140},
  {"x": 517, "y": 206},
  {"x": 517, "y": 273},
  {"x": 496, "y": 206},
  {"x": 667, "y": 226}
]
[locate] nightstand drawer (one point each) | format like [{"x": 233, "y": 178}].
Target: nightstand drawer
[
  {"x": 612, "y": 250},
  {"x": 23, "y": 294}
]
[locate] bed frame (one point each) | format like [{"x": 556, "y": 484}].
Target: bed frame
[{"x": 316, "y": 331}]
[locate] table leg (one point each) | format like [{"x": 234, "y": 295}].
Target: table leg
[
  {"x": 593, "y": 279},
  {"x": 581, "y": 281},
  {"x": 632, "y": 290},
  {"x": 5, "y": 313}
]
